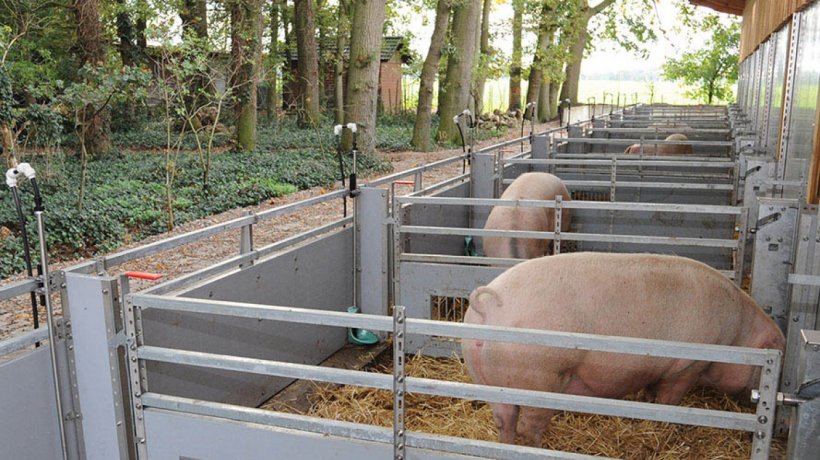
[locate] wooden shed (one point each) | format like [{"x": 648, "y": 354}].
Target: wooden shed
[
  {"x": 394, "y": 54},
  {"x": 760, "y": 18}
]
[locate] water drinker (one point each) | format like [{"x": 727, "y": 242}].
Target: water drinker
[
  {"x": 469, "y": 247},
  {"x": 360, "y": 336}
]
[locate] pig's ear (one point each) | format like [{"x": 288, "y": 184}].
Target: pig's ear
[{"x": 484, "y": 299}]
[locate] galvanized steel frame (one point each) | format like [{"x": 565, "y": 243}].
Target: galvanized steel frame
[{"x": 760, "y": 424}]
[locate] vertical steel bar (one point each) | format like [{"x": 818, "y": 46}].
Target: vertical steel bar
[
  {"x": 136, "y": 382},
  {"x": 768, "y": 385},
  {"x": 399, "y": 382},
  {"x": 52, "y": 343},
  {"x": 788, "y": 97},
  {"x": 556, "y": 241}
]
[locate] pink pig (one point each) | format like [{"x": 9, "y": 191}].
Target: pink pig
[
  {"x": 662, "y": 149},
  {"x": 528, "y": 186},
  {"x": 628, "y": 295}
]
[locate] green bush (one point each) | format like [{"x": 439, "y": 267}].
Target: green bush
[{"x": 125, "y": 196}]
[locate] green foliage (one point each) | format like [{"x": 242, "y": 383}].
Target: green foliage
[
  {"x": 711, "y": 70},
  {"x": 125, "y": 197},
  {"x": 99, "y": 86},
  {"x": 631, "y": 24},
  {"x": 6, "y": 96}
]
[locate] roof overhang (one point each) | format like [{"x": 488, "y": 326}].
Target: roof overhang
[{"x": 724, "y": 6}]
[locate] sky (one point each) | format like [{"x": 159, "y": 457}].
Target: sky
[{"x": 607, "y": 57}]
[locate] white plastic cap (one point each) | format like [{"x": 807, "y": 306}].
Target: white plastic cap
[
  {"x": 530, "y": 104},
  {"x": 337, "y": 130},
  {"x": 467, "y": 113},
  {"x": 11, "y": 177},
  {"x": 352, "y": 127},
  {"x": 455, "y": 119},
  {"x": 26, "y": 170}
]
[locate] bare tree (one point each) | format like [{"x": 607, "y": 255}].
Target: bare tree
[
  {"x": 342, "y": 32},
  {"x": 459, "y": 67},
  {"x": 308, "y": 65},
  {"x": 573, "y": 72},
  {"x": 246, "y": 46},
  {"x": 367, "y": 20},
  {"x": 274, "y": 60},
  {"x": 546, "y": 32},
  {"x": 89, "y": 49},
  {"x": 515, "y": 65},
  {"x": 421, "y": 128},
  {"x": 485, "y": 55}
]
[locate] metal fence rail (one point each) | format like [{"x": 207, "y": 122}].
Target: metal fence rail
[{"x": 760, "y": 423}]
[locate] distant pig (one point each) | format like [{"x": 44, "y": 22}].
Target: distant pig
[
  {"x": 662, "y": 149},
  {"x": 628, "y": 295},
  {"x": 528, "y": 186}
]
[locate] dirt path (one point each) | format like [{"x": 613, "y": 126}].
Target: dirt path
[{"x": 15, "y": 314}]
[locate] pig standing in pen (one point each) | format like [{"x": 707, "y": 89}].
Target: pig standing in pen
[
  {"x": 528, "y": 186},
  {"x": 630, "y": 295},
  {"x": 662, "y": 149}
]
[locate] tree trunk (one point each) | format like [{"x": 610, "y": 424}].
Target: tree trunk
[
  {"x": 544, "y": 106},
  {"x": 342, "y": 32},
  {"x": 363, "y": 71},
  {"x": 308, "y": 63},
  {"x": 545, "y": 33},
  {"x": 459, "y": 68},
  {"x": 96, "y": 136},
  {"x": 515, "y": 66},
  {"x": 553, "y": 99},
  {"x": 289, "y": 97},
  {"x": 421, "y": 128},
  {"x": 7, "y": 142},
  {"x": 194, "y": 17},
  {"x": 246, "y": 33},
  {"x": 129, "y": 54},
  {"x": 442, "y": 76},
  {"x": 142, "y": 40},
  {"x": 484, "y": 56},
  {"x": 273, "y": 102},
  {"x": 573, "y": 72}
]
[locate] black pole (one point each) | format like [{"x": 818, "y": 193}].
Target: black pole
[{"x": 26, "y": 254}]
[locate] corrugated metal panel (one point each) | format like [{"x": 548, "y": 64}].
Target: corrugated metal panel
[{"x": 762, "y": 17}]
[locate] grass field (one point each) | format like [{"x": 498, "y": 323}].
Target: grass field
[{"x": 496, "y": 93}]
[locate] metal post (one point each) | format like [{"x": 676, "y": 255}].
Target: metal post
[
  {"x": 613, "y": 174},
  {"x": 246, "y": 239},
  {"x": 556, "y": 242},
  {"x": 788, "y": 96},
  {"x": 774, "y": 235},
  {"x": 52, "y": 343},
  {"x": 136, "y": 372},
  {"x": 396, "y": 239},
  {"x": 398, "y": 382},
  {"x": 767, "y": 387},
  {"x": 804, "y": 433}
]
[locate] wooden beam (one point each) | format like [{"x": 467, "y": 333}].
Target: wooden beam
[{"x": 724, "y": 6}]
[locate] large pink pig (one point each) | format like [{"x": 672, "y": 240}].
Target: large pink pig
[
  {"x": 629, "y": 295},
  {"x": 662, "y": 149},
  {"x": 528, "y": 186}
]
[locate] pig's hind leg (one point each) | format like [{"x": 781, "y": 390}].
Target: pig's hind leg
[
  {"x": 532, "y": 423},
  {"x": 506, "y": 419},
  {"x": 671, "y": 390}
]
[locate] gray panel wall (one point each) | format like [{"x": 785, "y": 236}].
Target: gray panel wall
[
  {"x": 317, "y": 275},
  {"x": 439, "y": 216},
  {"x": 657, "y": 224},
  {"x": 175, "y": 436},
  {"x": 28, "y": 425}
]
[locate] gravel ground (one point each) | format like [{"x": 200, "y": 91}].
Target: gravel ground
[{"x": 16, "y": 316}]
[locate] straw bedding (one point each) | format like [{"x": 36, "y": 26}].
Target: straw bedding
[{"x": 572, "y": 432}]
